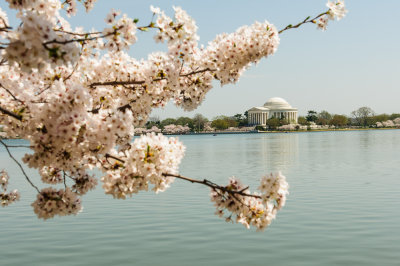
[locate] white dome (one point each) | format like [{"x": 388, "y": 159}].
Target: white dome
[{"x": 277, "y": 103}]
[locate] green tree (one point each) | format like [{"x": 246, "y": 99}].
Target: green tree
[
  {"x": 325, "y": 115},
  {"x": 380, "y": 118},
  {"x": 199, "y": 121},
  {"x": 168, "y": 121},
  {"x": 323, "y": 118},
  {"x": 394, "y": 116},
  {"x": 273, "y": 123},
  {"x": 153, "y": 121},
  {"x": 363, "y": 116},
  {"x": 241, "y": 119},
  {"x": 302, "y": 121},
  {"x": 339, "y": 121},
  {"x": 246, "y": 115},
  {"x": 220, "y": 124},
  {"x": 230, "y": 120},
  {"x": 311, "y": 116},
  {"x": 183, "y": 121}
]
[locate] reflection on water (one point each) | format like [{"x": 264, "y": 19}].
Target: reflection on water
[
  {"x": 280, "y": 151},
  {"x": 343, "y": 208}
]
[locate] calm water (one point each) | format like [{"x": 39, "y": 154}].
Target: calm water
[{"x": 343, "y": 209}]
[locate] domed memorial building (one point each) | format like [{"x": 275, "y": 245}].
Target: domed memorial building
[{"x": 274, "y": 107}]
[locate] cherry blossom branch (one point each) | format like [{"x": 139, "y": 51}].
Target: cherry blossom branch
[
  {"x": 87, "y": 38},
  {"x": 205, "y": 182},
  {"x": 77, "y": 34},
  {"x": 306, "y": 20},
  {"x": 11, "y": 94},
  {"x": 20, "y": 166},
  {"x": 14, "y": 115},
  {"x": 19, "y": 146},
  {"x": 139, "y": 82},
  {"x": 113, "y": 157},
  {"x": 214, "y": 186}
]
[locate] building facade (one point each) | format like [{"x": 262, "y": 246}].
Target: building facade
[{"x": 274, "y": 107}]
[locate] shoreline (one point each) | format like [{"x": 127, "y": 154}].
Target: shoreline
[{"x": 281, "y": 131}]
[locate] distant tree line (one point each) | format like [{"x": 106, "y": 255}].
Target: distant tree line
[
  {"x": 199, "y": 122},
  {"x": 362, "y": 117}
]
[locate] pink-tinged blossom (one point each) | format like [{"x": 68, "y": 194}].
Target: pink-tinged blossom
[
  {"x": 337, "y": 9},
  {"x": 257, "y": 209},
  {"x": 6, "y": 198},
  {"x": 322, "y": 22},
  {"x": 50, "y": 202}
]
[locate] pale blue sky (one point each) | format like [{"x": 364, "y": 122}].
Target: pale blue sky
[{"x": 354, "y": 63}]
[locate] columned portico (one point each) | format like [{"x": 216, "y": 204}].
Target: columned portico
[{"x": 274, "y": 107}]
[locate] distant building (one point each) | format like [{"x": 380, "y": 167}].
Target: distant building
[{"x": 274, "y": 107}]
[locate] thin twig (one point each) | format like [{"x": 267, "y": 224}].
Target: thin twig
[
  {"x": 113, "y": 157},
  {"x": 65, "y": 184},
  {"x": 20, "y": 166},
  {"x": 9, "y": 92},
  {"x": 55, "y": 41},
  {"x": 306, "y": 20},
  {"x": 19, "y": 146}
]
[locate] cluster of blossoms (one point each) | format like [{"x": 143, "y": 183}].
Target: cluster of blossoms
[
  {"x": 143, "y": 130},
  {"x": 337, "y": 10},
  {"x": 71, "y": 6},
  {"x": 389, "y": 123},
  {"x": 121, "y": 35},
  {"x": 36, "y": 43},
  {"x": 50, "y": 202},
  {"x": 147, "y": 161},
  {"x": 251, "y": 209},
  {"x": 6, "y": 198},
  {"x": 77, "y": 97},
  {"x": 176, "y": 129}
]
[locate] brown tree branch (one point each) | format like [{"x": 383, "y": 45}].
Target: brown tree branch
[
  {"x": 14, "y": 115},
  {"x": 213, "y": 186},
  {"x": 139, "y": 82}
]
